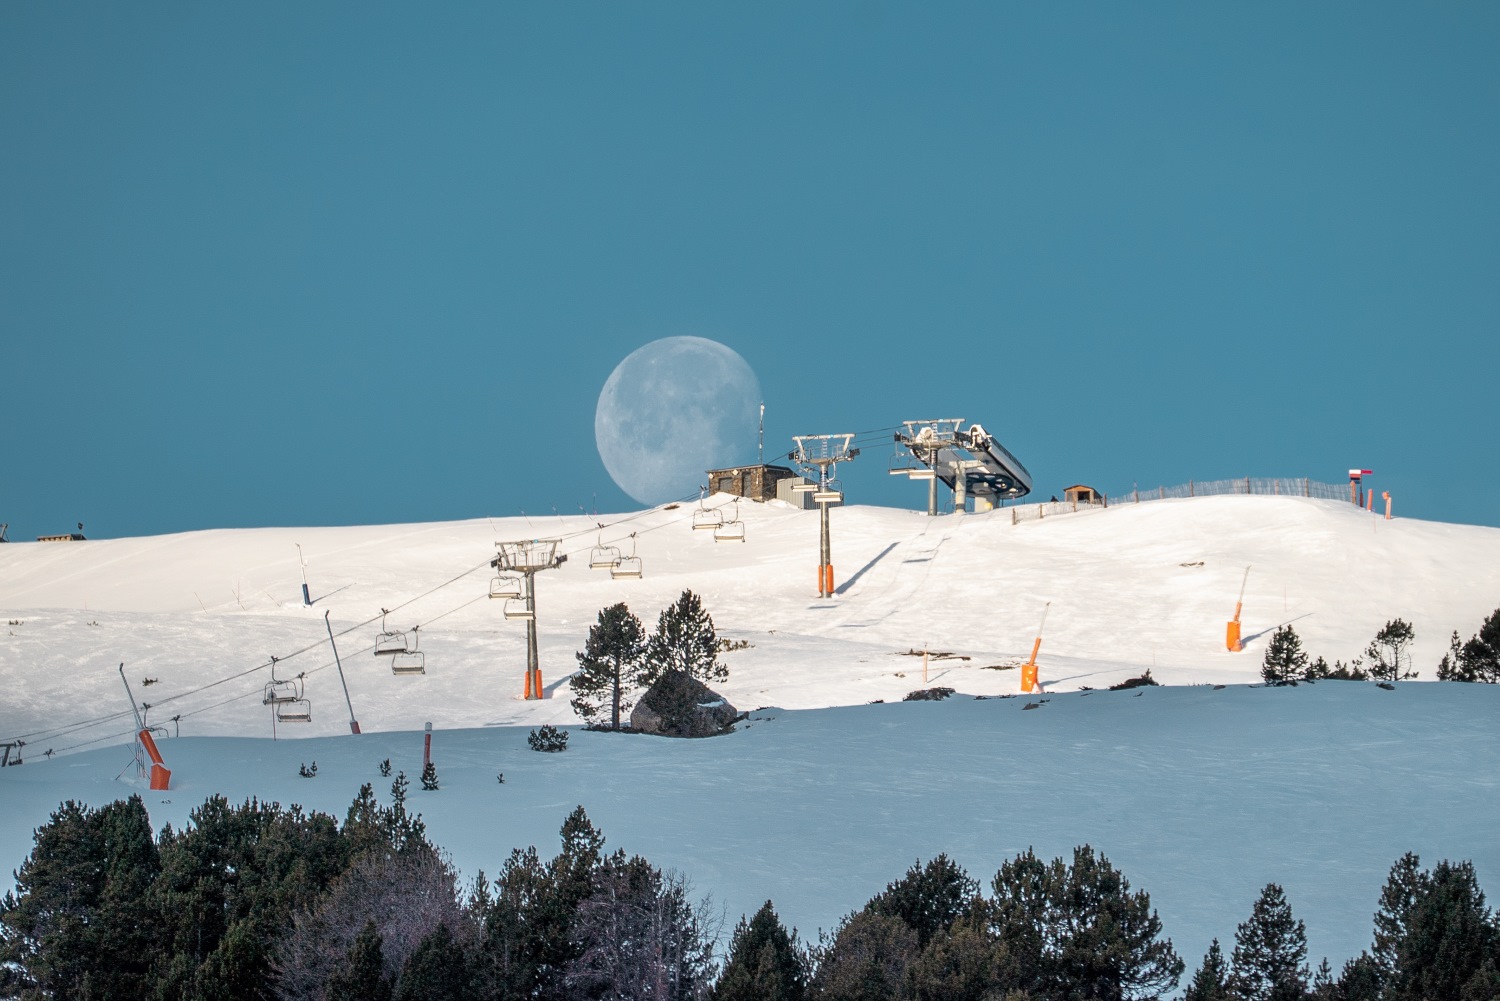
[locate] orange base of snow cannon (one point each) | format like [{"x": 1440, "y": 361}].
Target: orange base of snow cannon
[
  {"x": 1028, "y": 678},
  {"x": 1232, "y": 637},
  {"x": 161, "y": 779}
]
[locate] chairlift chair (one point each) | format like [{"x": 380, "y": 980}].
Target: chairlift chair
[
  {"x": 629, "y": 566},
  {"x": 830, "y": 492},
  {"x": 706, "y": 517},
  {"x": 281, "y": 691},
  {"x": 732, "y": 530},
  {"x": 410, "y": 661},
  {"x": 295, "y": 711},
  {"x": 922, "y": 473},
  {"x": 517, "y": 608},
  {"x": 604, "y": 557},
  {"x": 804, "y": 487},
  {"x": 505, "y": 586},
  {"x": 903, "y": 463},
  {"x": 389, "y": 640}
]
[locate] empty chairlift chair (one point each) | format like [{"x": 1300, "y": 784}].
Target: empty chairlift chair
[
  {"x": 505, "y": 586},
  {"x": 296, "y": 711},
  {"x": 903, "y": 463},
  {"x": 389, "y": 641},
  {"x": 604, "y": 557},
  {"x": 830, "y": 492},
  {"x": 629, "y": 567},
  {"x": 705, "y": 517},
  {"x": 519, "y": 607},
  {"x": 409, "y": 661},
  {"x": 732, "y": 530}
]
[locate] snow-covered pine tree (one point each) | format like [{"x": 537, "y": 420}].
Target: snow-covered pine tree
[
  {"x": 684, "y": 641},
  {"x": 1285, "y": 660},
  {"x": 1270, "y": 952},
  {"x": 606, "y": 667}
]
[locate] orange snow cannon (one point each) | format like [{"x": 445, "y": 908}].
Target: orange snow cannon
[
  {"x": 1232, "y": 630},
  {"x": 1029, "y": 682}
]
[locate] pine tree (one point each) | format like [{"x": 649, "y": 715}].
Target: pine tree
[
  {"x": 764, "y": 963},
  {"x": 429, "y": 776},
  {"x": 1324, "y": 987},
  {"x": 361, "y": 978},
  {"x": 1476, "y": 660},
  {"x": 1449, "y": 935},
  {"x": 684, "y": 641},
  {"x": 437, "y": 971},
  {"x": 607, "y": 665},
  {"x": 1270, "y": 952},
  {"x": 1211, "y": 982},
  {"x": 1080, "y": 929},
  {"x": 867, "y": 960},
  {"x": 1388, "y": 652},
  {"x": 1285, "y": 660},
  {"x": 1361, "y": 979},
  {"x": 1405, "y": 885},
  {"x": 928, "y": 898}
]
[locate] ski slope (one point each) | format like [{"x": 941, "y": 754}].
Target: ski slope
[{"x": 1200, "y": 794}]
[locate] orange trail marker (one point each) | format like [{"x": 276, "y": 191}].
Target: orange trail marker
[
  {"x": 1029, "y": 682},
  {"x": 1232, "y": 631}
]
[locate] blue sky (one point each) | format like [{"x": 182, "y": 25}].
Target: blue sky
[{"x": 282, "y": 264}]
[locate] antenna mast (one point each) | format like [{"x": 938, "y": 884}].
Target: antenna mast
[{"x": 759, "y": 453}]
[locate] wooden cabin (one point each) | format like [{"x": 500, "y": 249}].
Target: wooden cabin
[{"x": 1082, "y": 494}]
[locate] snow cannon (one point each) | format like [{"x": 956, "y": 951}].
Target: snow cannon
[
  {"x": 161, "y": 778},
  {"x": 1232, "y": 630},
  {"x": 1029, "y": 682}
]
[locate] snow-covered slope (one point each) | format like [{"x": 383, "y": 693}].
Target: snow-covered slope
[
  {"x": 1136, "y": 586},
  {"x": 1200, "y": 794}
]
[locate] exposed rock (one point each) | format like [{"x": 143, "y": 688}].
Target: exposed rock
[{"x": 679, "y": 705}]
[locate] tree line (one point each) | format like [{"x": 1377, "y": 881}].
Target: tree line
[
  {"x": 257, "y": 901},
  {"x": 1387, "y": 658}
]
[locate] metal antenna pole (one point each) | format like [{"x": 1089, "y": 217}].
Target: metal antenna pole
[
  {"x": 353, "y": 723},
  {"x": 761, "y": 454}
]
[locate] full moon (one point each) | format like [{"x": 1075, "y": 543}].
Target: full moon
[{"x": 670, "y": 411}]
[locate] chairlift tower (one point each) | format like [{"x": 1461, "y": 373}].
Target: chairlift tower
[
  {"x": 927, "y": 440},
  {"x": 822, "y": 452},
  {"x": 526, "y": 559}
]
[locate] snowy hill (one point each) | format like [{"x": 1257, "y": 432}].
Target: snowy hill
[{"x": 1200, "y": 794}]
